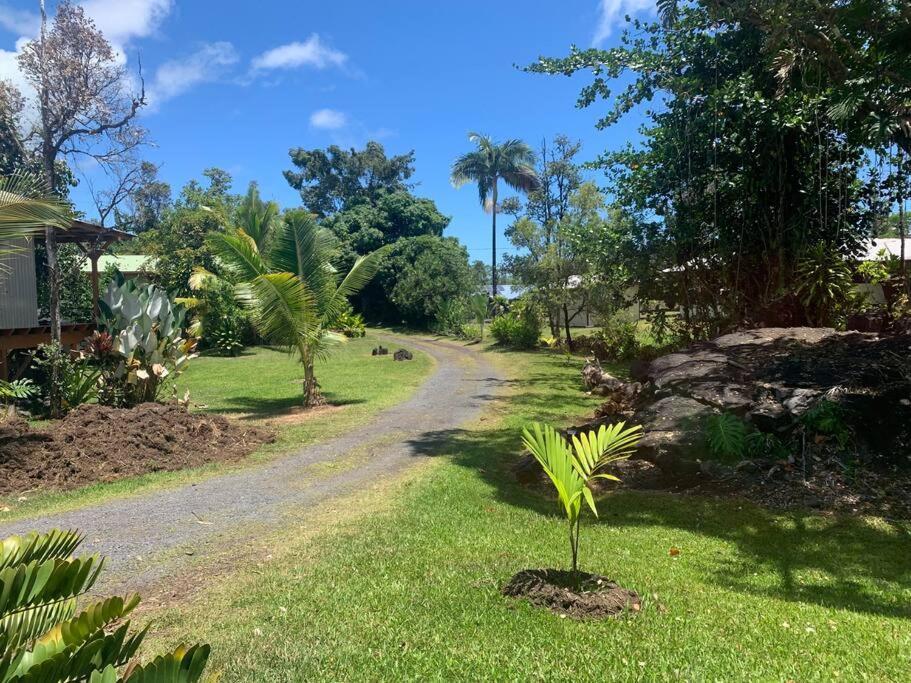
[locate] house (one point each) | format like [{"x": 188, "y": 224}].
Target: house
[
  {"x": 131, "y": 266},
  {"x": 20, "y": 327}
]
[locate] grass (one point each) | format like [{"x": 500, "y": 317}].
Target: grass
[
  {"x": 402, "y": 582},
  {"x": 258, "y": 385}
]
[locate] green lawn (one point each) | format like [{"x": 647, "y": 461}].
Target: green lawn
[
  {"x": 256, "y": 386},
  {"x": 402, "y": 582}
]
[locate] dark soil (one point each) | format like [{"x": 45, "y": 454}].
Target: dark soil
[
  {"x": 99, "y": 444},
  {"x": 582, "y": 596}
]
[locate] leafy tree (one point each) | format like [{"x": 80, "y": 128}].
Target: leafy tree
[
  {"x": 292, "y": 286},
  {"x": 735, "y": 178},
  {"x": 855, "y": 52},
  {"x": 334, "y": 179},
  {"x": 420, "y": 274},
  {"x": 512, "y": 162},
  {"x": 368, "y": 225},
  {"x": 480, "y": 276},
  {"x": 147, "y": 202},
  {"x": 82, "y": 105}
]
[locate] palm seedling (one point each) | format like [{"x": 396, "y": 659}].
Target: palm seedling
[{"x": 573, "y": 467}]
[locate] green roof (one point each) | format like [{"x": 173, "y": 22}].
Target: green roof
[{"x": 125, "y": 263}]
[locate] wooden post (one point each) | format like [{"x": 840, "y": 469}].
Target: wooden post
[{"x": 93, "y": 257}]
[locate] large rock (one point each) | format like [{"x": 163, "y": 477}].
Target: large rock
[{"x": 771, "y": 377}]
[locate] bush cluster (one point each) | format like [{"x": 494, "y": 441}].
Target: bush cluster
[{"x": 518, "y": 328}]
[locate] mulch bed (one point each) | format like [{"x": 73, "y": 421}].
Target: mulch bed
[
  {"x": 586, "y": 596},
  {"x": 95, "y": 444}
]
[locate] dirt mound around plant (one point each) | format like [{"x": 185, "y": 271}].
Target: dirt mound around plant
[
  {"x": 99, "y": 444},
  {"x": 582, "y": 596}
]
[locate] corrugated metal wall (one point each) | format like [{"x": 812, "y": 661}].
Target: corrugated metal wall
[{"x": 18, "y": 287}]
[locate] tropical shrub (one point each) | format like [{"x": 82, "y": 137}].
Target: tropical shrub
[
  {"x": 824, "y": 284},
  {"x": 145, "y": 343},
  {"x": 219, "y": 322},
  {"x": 350, "y": 324},
  {"x": 450, "y": 317},
  {"x": 726, "y": 436},
  {"x": 60, "y": 373},
  {"x": 43, "y": 637},
  {"x": 573, "y": 467},
  {"x": 519, "y": 328},
  {"x": 292, "y": 286},
  {"x": 477, "y": 305}
]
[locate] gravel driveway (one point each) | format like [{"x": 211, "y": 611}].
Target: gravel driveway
[{"x": 152, "y": 535}]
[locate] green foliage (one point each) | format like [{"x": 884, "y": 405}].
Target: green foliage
[
  {"x": 292, "y": 287},
  {"x": 736, "y": 174},
  {"x": 477, "y": 305},
  {"x": 219, "y": 321},
  {"x": 350, "y": 324},
  {"x": 420, "y": 274},
  {"x": 450, "y": 317},
  {"x": 45, "y": 637},
  {"x": 145, "y": 344},
  {"x": 726, "y": 436},
  {"x": 334, "y": 179},
  {"x": 824, "y": 284},
  {"x": 75, "y": 381},
  {"x": 520, "y": 327},
  {"x": 827, "y": 418},
  {"x": 25, "y": 210},
  {"x": 573, "y": 468}
]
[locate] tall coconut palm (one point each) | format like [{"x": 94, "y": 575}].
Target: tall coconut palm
[
  {"x": 512, "y": 161},
  {"x": 292, "y": 286}
]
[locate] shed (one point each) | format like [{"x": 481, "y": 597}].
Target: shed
[{"x": 20, "y": 327}]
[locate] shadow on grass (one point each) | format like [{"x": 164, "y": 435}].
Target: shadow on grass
[
  {"x": 847, "y": 563},
  {"x": 259, "y": 408}
]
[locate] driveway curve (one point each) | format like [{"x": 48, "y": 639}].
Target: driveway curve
[{"x": 151, "y": 535}]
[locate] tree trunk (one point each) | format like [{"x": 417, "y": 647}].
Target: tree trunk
[
  {"x": 312, "y": 395},
  {"x": 569, "y": 336},
  {"x": 493, "y": 256}
]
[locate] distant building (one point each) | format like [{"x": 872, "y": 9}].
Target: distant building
[{"x": 130, "y": 265}]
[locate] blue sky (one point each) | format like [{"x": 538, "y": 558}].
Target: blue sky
[{"x": 236, "y": 85}]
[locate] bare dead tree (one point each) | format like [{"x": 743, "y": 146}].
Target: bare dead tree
[
  {"x": 125, "y": 177},
  {"x": 85, "y": 106}
]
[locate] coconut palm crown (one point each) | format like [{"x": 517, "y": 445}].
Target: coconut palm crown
[
  {"x": 291, "y": 285},
  {"x": 511, "y": 161}
]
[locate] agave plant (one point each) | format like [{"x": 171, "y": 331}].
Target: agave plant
[
  {"x": 147, "y": 345},
  {"x": 45, "y": 637},
  {"x": 572, "y": 467}
]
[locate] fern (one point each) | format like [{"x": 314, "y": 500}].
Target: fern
[{"x": 726, "y": 436}]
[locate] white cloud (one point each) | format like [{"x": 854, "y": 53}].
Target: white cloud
[
  {"x": 124, "y": 20},
  {"x": 612, "y": 12},
  {"x": 19, "y": 21},
  {"x": 328, "y": 119},
  {"x": 311, "y": 52},
  {"x": 177, "y": 76}
]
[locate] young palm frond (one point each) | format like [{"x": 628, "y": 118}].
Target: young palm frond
[
  {"x": 26, "y": 210},
  {"x": 572, "y": 468}
]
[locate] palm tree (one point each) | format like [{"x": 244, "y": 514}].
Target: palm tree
[
  {"x": 292, "y": 286},
  {"x": 25, "y": 211},
  {"x": 512, "y": 162}
]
